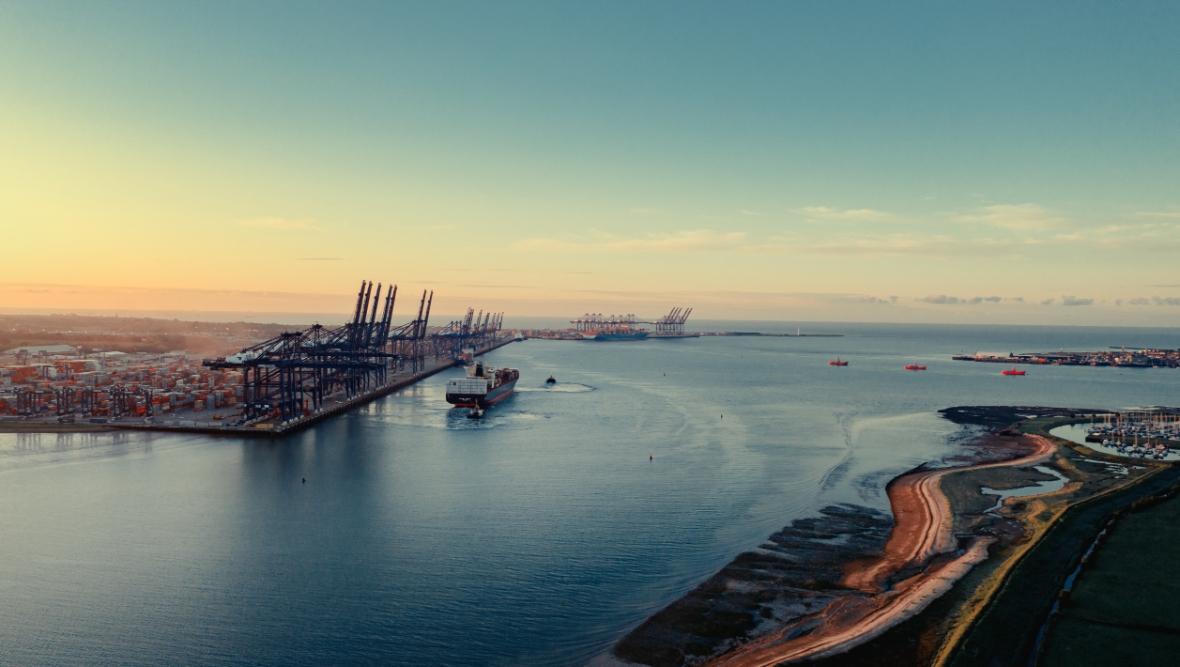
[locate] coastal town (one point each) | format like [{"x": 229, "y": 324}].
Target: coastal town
[{"x": 1121, "y": 357}]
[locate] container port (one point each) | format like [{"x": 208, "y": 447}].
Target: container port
[{"x": 272, "y": 387}]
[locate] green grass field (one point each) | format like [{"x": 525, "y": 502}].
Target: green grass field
[
  {"x": 1005, "y": 632},
  {"x": 1125, "y": 606}
]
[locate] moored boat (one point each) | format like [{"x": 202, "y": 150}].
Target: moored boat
[
  {"x": 915, "y": 367},
  {"x": 1012, "y": 372},
  {"x": 837, "y": 362}
]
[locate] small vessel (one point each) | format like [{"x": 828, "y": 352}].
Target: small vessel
[
  {"x": 482, "y": 387},
  {"x": 551, "y": 379},
  {"x": 837, "y": 362},
  {"x": 915, "y": 367},
  {"x": 1012, "y": 372}
]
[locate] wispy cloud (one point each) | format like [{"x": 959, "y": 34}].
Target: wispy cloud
[
  {"x": 944, "y": 300},
  {"x": 908, "y": 245},
  {"x": 1016, "y": 217},
  {"x": 1075, "y": 301},
  {"x": 851, "y": 215},
  {"x": 740, "y": 242},
  {"x": 689, "y": 241},
  {"x": 1168, "y": 215},
  {"x": 281, "y": 223}
]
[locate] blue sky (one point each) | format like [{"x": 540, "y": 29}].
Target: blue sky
[{"x": 904, "y": 162}]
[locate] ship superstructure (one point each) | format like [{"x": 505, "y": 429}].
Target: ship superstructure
[{"x": 482, "y": 387}]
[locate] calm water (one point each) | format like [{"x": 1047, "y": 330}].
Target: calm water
[{"x": 537, "y": 536}]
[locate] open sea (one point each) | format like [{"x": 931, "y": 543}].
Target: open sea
[{"x": 539, "y": 535}]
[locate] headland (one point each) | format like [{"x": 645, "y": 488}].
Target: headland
[{"x": 929, "y": 585}]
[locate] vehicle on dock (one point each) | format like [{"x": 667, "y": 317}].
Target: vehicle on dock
[{"x": 482, "y": 387}]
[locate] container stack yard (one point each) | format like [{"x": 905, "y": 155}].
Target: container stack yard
[
  {"x": 282, "y": 383},
  {"x": 100, "y": 387}
]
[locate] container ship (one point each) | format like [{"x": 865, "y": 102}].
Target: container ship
[
  {"x": 482, "y": 387},
  {"x": 615, "y": 333}
]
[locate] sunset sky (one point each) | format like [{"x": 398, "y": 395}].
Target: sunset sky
[{"x": 1002, "y": 162}]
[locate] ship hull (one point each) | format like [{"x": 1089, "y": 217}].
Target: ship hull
[
  {"x": 639, "y": 335},
  {"x": 482, "y": 400}
]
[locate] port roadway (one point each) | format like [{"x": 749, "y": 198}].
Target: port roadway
[
  {"x": 923, "y": 522},
  {"x": 275, "y": 430}
]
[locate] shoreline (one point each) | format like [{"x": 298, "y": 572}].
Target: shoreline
[
  {"x": 950, "y": 525},
  {"x": 265, "y": 431},
  {"x": 923, "y": 530}
]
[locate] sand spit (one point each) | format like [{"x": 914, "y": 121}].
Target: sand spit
[
  {"x": 922, "y": 541},
  {"x": 824, "y": 585},
  {"x": 782, "y": 585}
]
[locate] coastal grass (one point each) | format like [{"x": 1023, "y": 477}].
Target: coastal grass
[
  {"x": 1124, "y": 607},
  {"x": 1004, "y": 631},
  {"x": 969, "y": 503}
]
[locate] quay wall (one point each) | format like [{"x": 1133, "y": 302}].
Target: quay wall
[{"x": 303, "y": 422}]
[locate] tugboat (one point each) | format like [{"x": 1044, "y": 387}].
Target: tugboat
[
  {"x": 551, "y": 380},
  {"x": 482, "y": 387},
  {"x": 915, "y": 367},
  {"x": 1012, "y": 372},
  {"x": 837, "y": 362}
]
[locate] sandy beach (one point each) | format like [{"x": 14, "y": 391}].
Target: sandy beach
[{"x": 923, "y": 530}]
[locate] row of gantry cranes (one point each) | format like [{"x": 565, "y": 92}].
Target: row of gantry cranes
[
  {"x": 296, "y": 374},
  {"x": 670, "y": 325}
]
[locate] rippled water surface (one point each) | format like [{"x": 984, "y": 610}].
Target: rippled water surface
[{"x": 536, "y": 536}]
